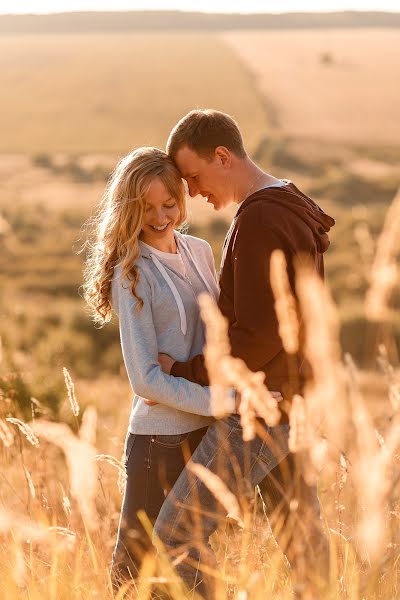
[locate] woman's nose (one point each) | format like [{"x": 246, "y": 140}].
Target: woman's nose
[{"x": 160, "y": 217}]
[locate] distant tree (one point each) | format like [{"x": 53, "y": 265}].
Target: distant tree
[{"x": 326, "y": 59}]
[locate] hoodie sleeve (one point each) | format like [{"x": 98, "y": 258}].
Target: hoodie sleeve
[{"x": 140, "y": 352}]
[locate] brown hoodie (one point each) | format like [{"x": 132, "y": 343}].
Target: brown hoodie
[{"x": 275, "y": 217}]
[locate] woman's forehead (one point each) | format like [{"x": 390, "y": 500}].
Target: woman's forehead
[{"x": 157, "y": 192}]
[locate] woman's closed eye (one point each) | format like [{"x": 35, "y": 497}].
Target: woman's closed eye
[{"x": 150, "y": 208}]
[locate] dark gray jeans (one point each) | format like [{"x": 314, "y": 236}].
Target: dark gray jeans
[
  {"x": 153, "y": 463},
  {"x": 191, "y": 513}
]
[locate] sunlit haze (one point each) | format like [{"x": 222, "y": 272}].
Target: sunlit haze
[{"x": 47, "y": 6}]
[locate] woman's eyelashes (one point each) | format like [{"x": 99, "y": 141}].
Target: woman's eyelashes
[{"x": 150, "y": 208}]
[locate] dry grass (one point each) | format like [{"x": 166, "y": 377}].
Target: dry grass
[
  {"x": 331, "y": 86},
  {"x": 59, "y": 511}
]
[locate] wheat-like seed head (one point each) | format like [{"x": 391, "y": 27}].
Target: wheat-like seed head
[
  {"x": 66, "y": 504},
  {"x": 21, "y": 526},
  {"x": 82, "y": 467},
  {"x": 285, "y": 304},
  {"x": 219, "y": 489},
  {"x": 324, "y": 393},
  {"x": 117, "y": 464},
  {"x": 29, "y": 480},
  {"x": 372, "y": 470},
  {"x": 87, "y": 430},
  {"x": 71, "y": 392},
  {"x": 25, "y": 430},
  {"x": 6, "y": 435},
  {"x": 384, "y": 273},
  {"x": 298, "y": 435},
  {"x": 365, "y": 241}
]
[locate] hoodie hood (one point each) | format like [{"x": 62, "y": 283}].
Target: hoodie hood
[{"x": 289, "y": 197}]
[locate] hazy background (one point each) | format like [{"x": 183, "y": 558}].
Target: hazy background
[
  {"x": 224, "y": 6},
  {"x": 317, "y": 99}
]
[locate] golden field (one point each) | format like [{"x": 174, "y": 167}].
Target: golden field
[
  {"x": 336, "y": 86},
  {"x": 320, "y": 108},
  {"x": 96, "y": 93}
]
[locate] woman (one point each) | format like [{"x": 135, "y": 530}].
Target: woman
[{"x": 151, "y": 275}]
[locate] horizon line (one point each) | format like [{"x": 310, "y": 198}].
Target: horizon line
[{"x": 179, "y": 10}]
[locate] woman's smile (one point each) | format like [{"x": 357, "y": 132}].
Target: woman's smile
[{"x": 159, "y": 228}]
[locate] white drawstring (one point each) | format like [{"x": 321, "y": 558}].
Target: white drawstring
[
  {"x": 174, "y": 291},
  {"x": 209, "y": 288}
]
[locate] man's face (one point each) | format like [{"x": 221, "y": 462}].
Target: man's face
[{"x": 207, "y": 177}]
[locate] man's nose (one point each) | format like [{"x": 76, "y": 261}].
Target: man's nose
[{"x": 193, "y": 189}]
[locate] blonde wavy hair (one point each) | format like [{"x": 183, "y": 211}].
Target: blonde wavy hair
[{"x": 118, "y": 223}]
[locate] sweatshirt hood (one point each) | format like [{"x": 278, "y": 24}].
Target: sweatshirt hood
[{"x": 289, "y": 197}]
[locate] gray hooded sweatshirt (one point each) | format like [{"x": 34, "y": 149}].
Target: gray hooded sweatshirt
[{"x": 169, "y": 322}]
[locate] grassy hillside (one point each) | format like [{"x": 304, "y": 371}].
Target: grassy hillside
[{"x": 109, "y": 93}]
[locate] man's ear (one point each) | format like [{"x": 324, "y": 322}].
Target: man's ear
[{"x": 223, "y": 155}]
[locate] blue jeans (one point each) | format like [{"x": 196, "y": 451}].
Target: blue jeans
[
  {"x": 191, "y": 513},
  {"x": 153, "y": 463}
]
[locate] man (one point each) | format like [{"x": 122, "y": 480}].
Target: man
[{"x": 207, "y": 147}]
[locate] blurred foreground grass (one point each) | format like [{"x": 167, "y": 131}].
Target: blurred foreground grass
[{"x": 60, "y": 480}]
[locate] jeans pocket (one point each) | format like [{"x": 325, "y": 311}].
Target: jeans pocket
[
  {"x": 275, "y": 447},
  {"x": 170, "y": 441},
  {"x": 129, "y": 441}
]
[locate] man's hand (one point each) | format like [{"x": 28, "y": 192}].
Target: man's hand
[
  {"x": 166, "y": 363},
  {"x": 277, "y": 395}
]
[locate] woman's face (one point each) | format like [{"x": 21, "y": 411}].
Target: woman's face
[{"x": 161, "y": 214}]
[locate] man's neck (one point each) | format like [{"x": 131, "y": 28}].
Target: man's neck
[{"x": 250, "y": 179}]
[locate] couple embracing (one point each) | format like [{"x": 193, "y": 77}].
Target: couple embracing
[{"x": 151, "y": 275}]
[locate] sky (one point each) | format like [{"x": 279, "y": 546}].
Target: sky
[{"x": 239, "y": 6}]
